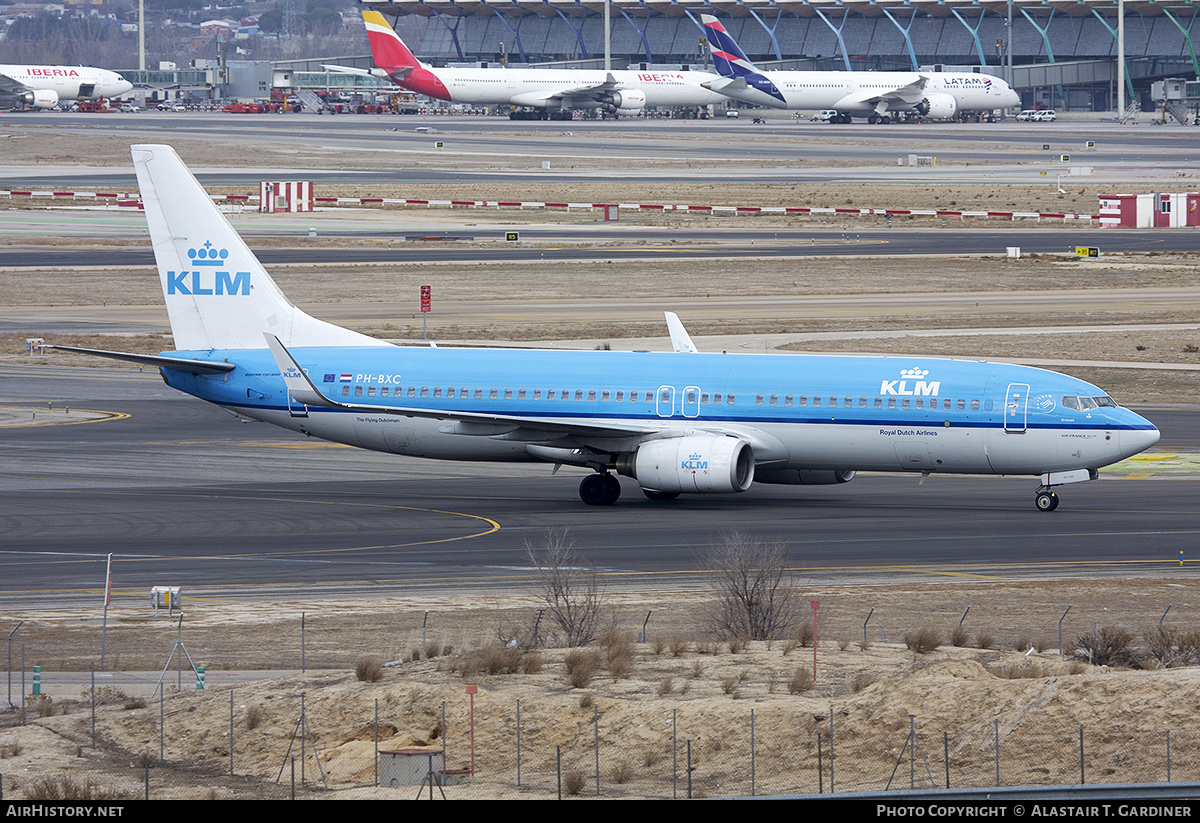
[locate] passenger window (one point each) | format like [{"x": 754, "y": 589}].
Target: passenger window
[
  {"x": 604, "y": 396},
  {"x": 578, "y": 395},
  {"x": 758, "y": 398},
  {"x": 358, "y": 391},
  {"x": 803, "y": 400},
  {"x": 345, "y": 391},
  {"x": 424, "y": 391},
  {"x": 412, "y": 391},
  {"x": 621, "y": 396},
  {"x": 371, "y": 391},
  {"x": 774, "y": 400},
  {"x": 537, "y": 394},
  {"x": 816, "y": 401},
  {"x": 716, "y": 398},
  {"x": 787, "y": 400},
  {"x": 862, "y": 402},
  {"x": 891, "y": 402},
  {"x": 879, "y": 402},
  {"x": 450, "y": 392},
  {"x": 691, "y": 397},
  {"x": 904, "y": 403},
  {"x": 962, "y": 404},
  {"x": 849, "y": 402},
  {"x": 479, "y": 394},
  {"x": 383, "y": 392},
  {"x": 920, "y": 403},
  {"x": 437, "y": 392},
  {"x": 520, "y": 394},
  {"x": 591, "y": 395},
  {"x": 974, "y": 405},
  {"x": 729, "y": 400},
  {"x": 508, "y": 394},
  {"x": 492, "y": 394}
]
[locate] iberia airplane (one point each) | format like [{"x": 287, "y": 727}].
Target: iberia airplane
[
  {"x": 552, "y": 93},
  {"x": 42, "y": 87}
]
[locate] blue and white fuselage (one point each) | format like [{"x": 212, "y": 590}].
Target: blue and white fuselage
[{"x": 680, "y": 422}]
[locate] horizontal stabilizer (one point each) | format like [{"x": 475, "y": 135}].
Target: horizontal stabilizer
[{"x": 181, "y": 363}]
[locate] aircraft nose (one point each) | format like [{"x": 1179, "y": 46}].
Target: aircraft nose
[{"x": 1135, "y": 441}]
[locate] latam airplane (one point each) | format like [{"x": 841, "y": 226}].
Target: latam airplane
[
  {"x": 874, "y": 95},
  {"x": 676, "y": 422},
  {"x": 42, "y": 87},
  {"x": 551, "y": 93}
]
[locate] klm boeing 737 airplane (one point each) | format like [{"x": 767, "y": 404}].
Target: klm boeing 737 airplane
[{"x": 677, "y": 422}]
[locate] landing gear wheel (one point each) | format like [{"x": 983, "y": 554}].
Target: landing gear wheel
[
  {"x": 1046, "y": 501},
  {"x": 599, "y": 489},
  {"x": 659, "y": 496},
  {"x": 872, "y": 119},
  {"x": 885, "y": 120}
]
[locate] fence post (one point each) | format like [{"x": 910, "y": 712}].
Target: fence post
[
  {"x": 831, "y": 789},
  {"x": 996, "y": 728},
  {"x": 820, "y": 767},
  {"x": 1082, "y": 782},
  {"x": 946, "y": 755},
  {"x": 558, "y": 768}
]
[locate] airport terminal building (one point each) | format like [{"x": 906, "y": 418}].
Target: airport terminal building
[{"x": 1060, "y": 54}]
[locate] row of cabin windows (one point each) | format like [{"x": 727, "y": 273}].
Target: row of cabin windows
[{"x": 716, "y": 398}]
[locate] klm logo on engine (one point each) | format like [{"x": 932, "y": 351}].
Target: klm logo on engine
[
  {"x": 694, "y": 462},
  {"x": 919, "y": 386},
  {"x": 208, "y": 278}
]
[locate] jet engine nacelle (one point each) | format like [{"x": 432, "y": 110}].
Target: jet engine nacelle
[
  {"x": 804, "y": 477},
  {"x": 626, "y": 102},
  {"x": 704, "y": 463},
  {"x": 938, "y": 106},
  {"x": 41, "y": 98}
]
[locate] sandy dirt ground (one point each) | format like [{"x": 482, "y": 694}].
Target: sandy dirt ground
[{"x": 1007, "y": 676}]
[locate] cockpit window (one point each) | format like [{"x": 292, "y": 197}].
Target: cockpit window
[{"x": 1088, "y": 403}]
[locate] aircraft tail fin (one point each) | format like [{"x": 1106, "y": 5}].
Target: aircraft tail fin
[
  {"x": 728, "y": 57},
  {"x": 218, "y": 295},
  {"x": 387, "y": 49}
]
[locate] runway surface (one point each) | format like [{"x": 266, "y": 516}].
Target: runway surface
[{"x": 183, "y": 494}]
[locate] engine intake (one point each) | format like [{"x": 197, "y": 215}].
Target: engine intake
[
  {"x": 938, "y": 106},
  {"x": 699, "y": 463}
]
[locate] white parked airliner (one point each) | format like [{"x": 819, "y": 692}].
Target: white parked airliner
[
  {"x": 676, "y": 422},
  {"x": 875, "y": 95},
  {"x": 552, "y": 93},
  {"x": 43, "y": 87}
]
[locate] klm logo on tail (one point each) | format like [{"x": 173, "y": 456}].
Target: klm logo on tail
[{"x": 206, "y": 282}]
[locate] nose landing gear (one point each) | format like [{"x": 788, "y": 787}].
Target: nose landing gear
[{"x": 1045, "y": 500}]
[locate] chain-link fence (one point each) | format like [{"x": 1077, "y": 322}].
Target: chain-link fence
[{"x": 293, "y": 708}]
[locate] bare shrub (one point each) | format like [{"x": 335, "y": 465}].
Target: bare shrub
[
  {"x": 800, "y": 681},
  {"x": 665, "y": 686},
  {"x": 254, "y": 716},
  {"x": 134, "y": 703},
  {"x": 619, "y": 652},
  {"x": 586, "y": 701},
  {"x": 1170, "y": 648},
  {"x": 729, "y": 685},
  {"x": 659, "y": 645},
  {"x": 1026, "y": 669},
  {"x": 65, "y": 787},
  {"x": 737, "y": 645},
  {"x": 804, "y": 634},
  {"x": 678, "y": 645},
  {"x": 1108, "y": 646},
  {"x": 581, "y": 666},
  {"x": 985, "y": 640},
  {"x": 697, "y": 669},
  {"x": 573, "y": 782},
  {"x": 923, "y": 641},
  {"x": 864, "y": 644},
  {"x": 532, "y": 662},
  {"x": 959, "y": 636},
  {"x": 570, "y": 588},
  {"x": 43, "y": 705},
  {"x": 749, "y": 577},
  {"x": 369, "y": 670},
  {"x": 843, "y": 643},
  {"x": 862, "y": 680},
  {"x": 621, "y": 772}
]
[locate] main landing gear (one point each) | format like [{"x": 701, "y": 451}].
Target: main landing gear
[{"x": 600, "y": 489}]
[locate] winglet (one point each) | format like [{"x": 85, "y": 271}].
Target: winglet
[
  {"x": 679, "y": 336},
  {"x": 298, "y": 385}
]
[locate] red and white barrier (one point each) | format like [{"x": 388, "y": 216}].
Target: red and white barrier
[{"x": 123, "y": 199}]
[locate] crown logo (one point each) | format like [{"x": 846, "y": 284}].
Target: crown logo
[
  {"x": 694, "y": 456},
  {"x": 208, "y": 256},
  {"x": 915, "y": 372}
]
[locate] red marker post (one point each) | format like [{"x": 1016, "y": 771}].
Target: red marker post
[{"x": 426, "y": 301}]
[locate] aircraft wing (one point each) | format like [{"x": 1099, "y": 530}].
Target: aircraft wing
[
  {"x": 909, "y": 94},
  {"x": 9, "y": 86},
  {"x": 506, "y": 427},
  {"x": 588, "y": 92}
]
